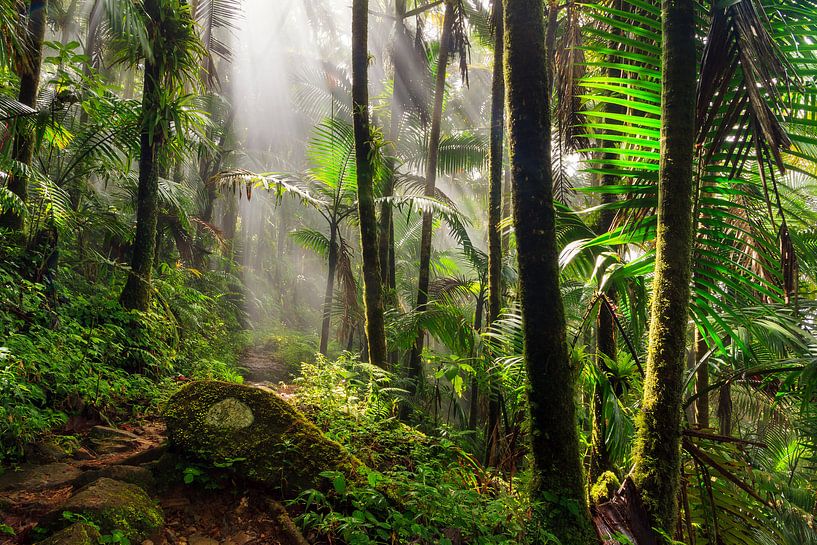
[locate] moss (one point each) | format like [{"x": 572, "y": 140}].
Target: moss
[
  {"x": 279, "y": 447},
  {"x": 76, "y": 534},
  {"x": 112, "y": 505},
  {"x": 604, "y": 488}
]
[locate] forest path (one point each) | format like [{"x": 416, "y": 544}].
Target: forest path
[{"x": 262, "y": 367}]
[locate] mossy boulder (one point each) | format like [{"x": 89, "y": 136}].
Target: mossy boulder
[
  {"x": 111, "y": 505},
  {"x": 76, "y": 534},
  {"x": 262, "y": 436}
]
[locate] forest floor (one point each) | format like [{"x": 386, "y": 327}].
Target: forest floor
[{"x": 202, "y": 513}]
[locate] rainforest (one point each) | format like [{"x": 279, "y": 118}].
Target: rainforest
[{"x": 455, "y": 272}]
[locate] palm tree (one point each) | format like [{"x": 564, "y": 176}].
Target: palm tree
[
  {"x": 372, "y": 283},
  {"x": 172, "y": 59},
  {"x": 29, "y": 66},
  {"x": 557, "y": 480},
  {"x": 453, "y": 41},
  {"x": 495, "y": 212}
]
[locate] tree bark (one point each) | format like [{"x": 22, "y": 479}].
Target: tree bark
[
  {"x": 415, "y": 365},
  {"x": 386, "y": 240},
  {"x": 372, "y": 281},
  {"x": 701, "y": 382},
  {"x": 330, "y": 289},
  {"x": 557, "y": 483},
  {"x": 136, "y": 294},
  {"x": 30, "y": 67},
  {"x": 657, "y": 452},
  {"x": 494, "y": 218}
]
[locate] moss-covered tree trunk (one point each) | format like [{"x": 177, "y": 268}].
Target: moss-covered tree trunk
[
  {"x": 557, "y": 483},
  {"x": 372, "y": 284},
  {"x": 657, "y": 451},
  {"x": 29, "y": 64},
  {"x": 330, "y": 288},
  {"x": 495, "y": 217},
  {"x": 136, "y": 294},
  {"x": 415, "y": 364}
]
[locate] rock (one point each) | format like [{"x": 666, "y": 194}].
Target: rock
[
  {"x": 112, "y": 505},
  {"x": 34, "y": 477},
  {"x": 260, "y": 435},
  {"x": 76, "y": 534},
  {"x": 198, "y": 539},
  {"x": 146, "y": 456},
  {"x": 83, "y": 453},
  {"x": 46, "y": 451},
  {"x": 105, "y": 432},
  {"x": 105, "y": 440},
  {"x": 139, "y": 476}
]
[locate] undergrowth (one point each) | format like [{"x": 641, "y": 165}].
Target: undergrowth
[
  {"x": 67, "y": 348},
  {"x": 416, "y": 488}
]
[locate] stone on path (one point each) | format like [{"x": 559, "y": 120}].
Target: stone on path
[
  {"x": 105, "y": 440},
  {"x": 140, "y": 476},
  {"x": 34, "y": 477},
  {"x": 112, "y": 505},
  {"x": 76, "y": 534}
]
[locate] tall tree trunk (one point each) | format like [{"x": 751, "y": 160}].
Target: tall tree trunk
[
  {"x": 415, "y": 365},
  {"x": 30, "y": 67},
  {"x": 605, "y": 324},
  {"x": 136, "y": 294},
  {"x": 372, "y": 282},
  {"x": 386, "y": 239},
  {"x": 657, "y": 452},
  {"x": 557, "y": 483},
  {"x": 495, "y": 217},
  {"x": 330, "y": 289}
]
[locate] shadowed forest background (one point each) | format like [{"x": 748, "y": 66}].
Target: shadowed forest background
[{"x": 408, "y": 271}]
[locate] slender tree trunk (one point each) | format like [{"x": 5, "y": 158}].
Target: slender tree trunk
[
  {"x": 473, "y": 402},
  {"x": 330, "y": 289},
  {"x": 657, "y": 451},
  {"x": 386, "y": 240},
  {"x": 415, "y": 365},
  {"x": 495, "y": 217},
  {"x": 605, "y": 325},
  {"x": 30, "y": 67},
  {"x": 136, "y": 294},
  {"x": 557, "y": 483},
  {"x": 725, "y": 409},
  {"x": 372, "y": 282},
  {"x": 701, "y": 382}
]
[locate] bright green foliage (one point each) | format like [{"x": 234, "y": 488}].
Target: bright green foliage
[{"x": 82, "y": 357}]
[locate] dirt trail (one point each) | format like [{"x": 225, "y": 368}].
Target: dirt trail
[
  {"x": 232, "y": 514},
  {"x": 261, "y": 367}
]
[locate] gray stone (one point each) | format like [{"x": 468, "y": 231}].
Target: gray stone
[
  {"x": 139, "y": 476},
  {"x": 229, "y": 413},
  {"x": 76, "y": 534},
  {"x": 105, "y": 432},
  {"x": 34, "y": 477}
]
